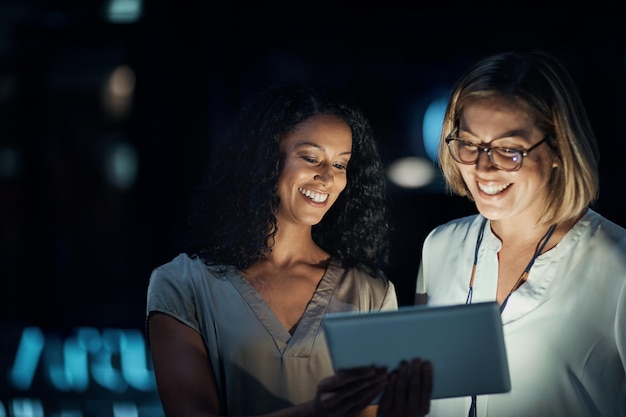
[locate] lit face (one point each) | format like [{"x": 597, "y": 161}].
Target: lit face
[
  {"x": 500, "y": 194},
  {"x": 316, "y": 156}
]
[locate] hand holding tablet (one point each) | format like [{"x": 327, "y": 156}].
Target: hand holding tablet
[{"x": 464, "y": 343}]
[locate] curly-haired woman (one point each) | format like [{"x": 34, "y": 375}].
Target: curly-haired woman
[{"x": 289, "y": 225}]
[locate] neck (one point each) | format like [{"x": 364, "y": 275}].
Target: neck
[
  {"x": 518, "y": 233},
  {"x": 294, "y": 245}
]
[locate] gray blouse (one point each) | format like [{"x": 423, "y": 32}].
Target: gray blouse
[{"x": 258, "y": 365}]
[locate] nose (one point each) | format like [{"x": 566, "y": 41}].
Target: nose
[
  {"x": 484, "y": 160},
  {"x": 324, "y": 173}
]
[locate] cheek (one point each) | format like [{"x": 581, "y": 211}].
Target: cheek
[
  {"x": 284, "y": 183},
  {"x": 465, "y": 173},
  {"x": 341, "y": 183},
  {"x": 290, "y": 172},
  {"x": 541, "y": 170}
]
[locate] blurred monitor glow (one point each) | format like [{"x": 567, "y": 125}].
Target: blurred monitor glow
[
  {"x": 86, "y": 372},
  {"x": 124, "y": 11},
  {"x": 411, "y": 172},
  {"x": 10, "y": 163},
  {"x": 431, "y": 125},
  {"x": 121, "y": 165}
]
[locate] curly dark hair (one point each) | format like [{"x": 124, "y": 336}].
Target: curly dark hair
[{"x": 232, "y": 218}]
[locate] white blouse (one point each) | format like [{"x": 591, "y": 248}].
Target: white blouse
[{"x": 565, "y": 328}]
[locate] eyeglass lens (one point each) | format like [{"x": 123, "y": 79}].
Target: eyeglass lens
[{"x": 467, "y": 153}]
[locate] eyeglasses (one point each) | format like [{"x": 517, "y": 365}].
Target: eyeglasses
[{"x": 505, "y": 159}]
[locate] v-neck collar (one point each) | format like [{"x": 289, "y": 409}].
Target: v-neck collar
[{"x": 301, "y": 342}]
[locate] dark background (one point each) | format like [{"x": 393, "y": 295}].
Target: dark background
[{"x": 75, "y": 250}]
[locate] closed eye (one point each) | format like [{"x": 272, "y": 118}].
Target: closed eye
[
  {"x": 502, "y": 150},
  {"x": 507, "y": 151},
  {"x": 468, "y": 145}
]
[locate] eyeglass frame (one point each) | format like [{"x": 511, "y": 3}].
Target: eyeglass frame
[{"x": 522, "y": 152}]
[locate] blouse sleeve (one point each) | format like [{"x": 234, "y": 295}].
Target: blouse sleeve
[
  {"x": 620, "y": 325},
  {"x": 171, "y": 291}
]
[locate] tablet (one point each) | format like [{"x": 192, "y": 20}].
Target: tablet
[{"x": 464, "y": 343}]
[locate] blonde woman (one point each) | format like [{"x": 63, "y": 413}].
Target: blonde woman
[{"x": 516, "y": 141}]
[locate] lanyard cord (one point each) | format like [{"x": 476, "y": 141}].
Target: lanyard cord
[
  {"x": 520, "y": 281},
  {"x": 479, "y": 240},
  {"x": 468, "y": 300}
]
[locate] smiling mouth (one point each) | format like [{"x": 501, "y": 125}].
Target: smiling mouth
[
  {"x": 493, "y": 189},
  {"x": 314, "y": 195}
]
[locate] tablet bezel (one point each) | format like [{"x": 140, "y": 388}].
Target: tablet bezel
[{"x": 465, "y": 344}]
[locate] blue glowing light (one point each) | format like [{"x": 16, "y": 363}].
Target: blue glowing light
[{"x": 431, "y": 125}]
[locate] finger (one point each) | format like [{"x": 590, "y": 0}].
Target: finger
[
  {"x": 342, "y": 395},
  {"x": 400, "y": 393},
  {"x": 426, "y": 382},
  {"x": 353, "y": 404},
  {"x": 385, "y": 404},
  {"x": 420, "y": 387},
  {"x": 393, "y": 400},
  {"x": 349, "y": 376}
]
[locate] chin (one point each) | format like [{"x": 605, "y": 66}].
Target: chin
[{"x": 492, "y": 213}]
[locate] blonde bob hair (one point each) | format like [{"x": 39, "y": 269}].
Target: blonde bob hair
[{"x": 540, "y": 84}]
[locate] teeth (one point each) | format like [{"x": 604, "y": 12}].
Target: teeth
[
  {"x": 493, "y": 189},
  {"x": 317, "y": 197}
]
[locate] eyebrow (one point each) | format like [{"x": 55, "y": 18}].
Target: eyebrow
[
  {"x": 520, "y": 132},
  {"x": 315, "y": 145}
]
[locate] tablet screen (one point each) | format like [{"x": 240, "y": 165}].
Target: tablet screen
[{"x": 465, "y": 344}]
